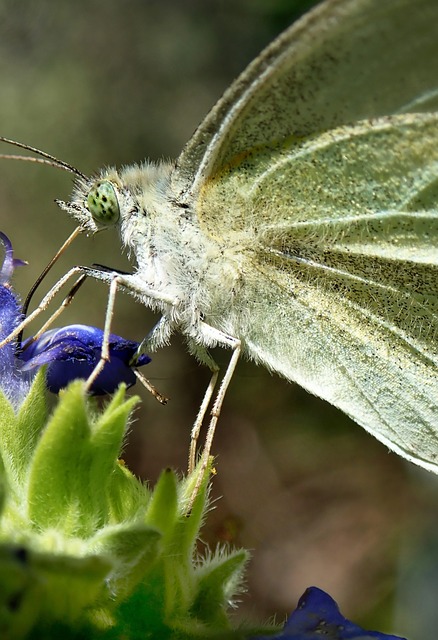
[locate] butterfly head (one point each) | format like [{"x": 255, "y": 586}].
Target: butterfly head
[{"x": 98, "y": 203}]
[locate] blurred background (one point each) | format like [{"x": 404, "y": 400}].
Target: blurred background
[{"x": 316, "y": 499}]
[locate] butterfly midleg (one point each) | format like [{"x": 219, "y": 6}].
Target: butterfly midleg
[
  {"x": 104, "y": 351},
  {"x": 156, "y": 338},
  {"x": 150, "y": 387}
]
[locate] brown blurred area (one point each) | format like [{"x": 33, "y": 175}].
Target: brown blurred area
[{"x": 316, "y": 499}]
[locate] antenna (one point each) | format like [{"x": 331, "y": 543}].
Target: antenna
[{"x": 46, "y": 158}]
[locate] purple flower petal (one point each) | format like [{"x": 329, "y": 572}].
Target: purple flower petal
[
  {"x": 69, "y": 353},
  {"x": 13, "y": 382},
  {"x": 317, "y": 616},
  {"x": 72, "y": 352},
  {"x": 8, "y": 263}
]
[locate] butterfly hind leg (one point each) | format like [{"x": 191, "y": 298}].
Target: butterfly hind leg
[{"x": 211, "y": 335}]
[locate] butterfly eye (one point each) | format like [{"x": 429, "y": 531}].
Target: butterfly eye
[{"x": 102, "y": 203}]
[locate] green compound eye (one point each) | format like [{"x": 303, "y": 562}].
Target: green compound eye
[{"x": 102, "y": 203}]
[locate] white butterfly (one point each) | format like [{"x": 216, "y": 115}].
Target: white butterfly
[{"x": 300, "y": 223}]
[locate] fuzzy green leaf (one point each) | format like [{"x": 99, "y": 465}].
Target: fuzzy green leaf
[
  {"x": 72, "y": 464},
  {"x": 163, "y": 506},
  {"x": 32, "y": 413},
  {"x": 8, "y": 462},
  {"x": 133, "y": 548},
  {"x": 127, "y": 497},
  {"x": 58, "y": 489},
  {"x": 219, "y": 579},
  {"x": 71, "y": 584},
  {"x": 193, "y": 521}
]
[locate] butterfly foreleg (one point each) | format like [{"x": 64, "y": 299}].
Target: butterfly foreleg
[{"x": 83, "y": 272}]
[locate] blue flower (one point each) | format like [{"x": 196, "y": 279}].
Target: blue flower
[
  {"x": 13, "y": 382},
  {"x": 73, "y": 352},
  {"x": 317, "y": 616},
  {"x": 69, "y": 353}
]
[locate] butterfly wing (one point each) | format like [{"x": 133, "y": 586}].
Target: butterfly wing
[
  {"x": 345, "y": 61},
  {"x": 337, "y": 246},
  {"x": 334, "y": 227}
]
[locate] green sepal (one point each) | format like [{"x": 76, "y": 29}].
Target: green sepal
[
  {"x": 163, "y": 506},
  {"x": 71, "y": 583},
  {"x": 193, "y": 520},
  {"x": 19, "y": 433},
  {"x": 104, "y": 555},
  {"x": 20, "y": 590},
  {"x": 37, "y": 587},
  {"x": 133, "y": 548},
  {"x": 127, "y": 497},
  {"x": 32, "y": 411},
  {"x": 73, "y": 455},
  {"x": 7, "y": 463},
  {"x": 218, "y": 579}
]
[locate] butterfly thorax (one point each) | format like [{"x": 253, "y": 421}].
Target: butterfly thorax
[{"x": 174, "y": 257}]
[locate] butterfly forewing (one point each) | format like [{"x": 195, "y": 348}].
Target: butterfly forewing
[{"x": 345, "y": 61}]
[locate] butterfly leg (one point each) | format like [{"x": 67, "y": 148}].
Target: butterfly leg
[
  {"x": 104, "y": 353},
  {"x": 213, "y": 335},
  {"x": 162, "y": 399},
  {"x": 64, "y": 304},
  {"x": 194, "y": 436},
  {"x": 156, "y": 338},
  {"x": 82, "y": 271}
]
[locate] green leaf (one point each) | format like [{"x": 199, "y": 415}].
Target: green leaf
[
  {"x": 9, "y": 450},
  {"x": 219, "y": 579},
  {"x": 104, "y": 556},
  {"x": 20, "y": 590},
  {"x": 193, "y": 521},
  {"x": 71, "y": 584},
  {"x": 58, "y": 489},
  {"x": 127, "y": 497},
  {"x": 38, "y": 588},
  {"x": 19, "y": 434},
  {"x": 7, "y": 426},
  {"x": 133, "y": 548},
  {"x": 163, "y": 506},
  {"x": 32, "y": 418},
  {"x": 73, "y": 463}
]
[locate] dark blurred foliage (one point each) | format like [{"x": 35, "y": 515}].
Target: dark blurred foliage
[{"x": 317, "y": 499}]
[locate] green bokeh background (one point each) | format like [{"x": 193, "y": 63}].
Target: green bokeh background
[{"x": 317, "y": 499}]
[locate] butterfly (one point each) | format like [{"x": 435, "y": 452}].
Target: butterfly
[{"x": 299, "y": 225}]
